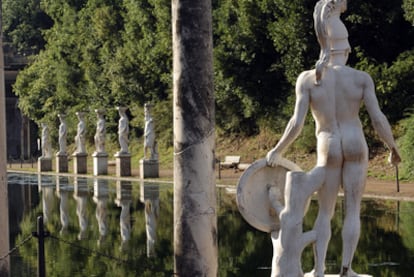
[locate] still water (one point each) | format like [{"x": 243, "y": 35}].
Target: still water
[{"x": 102, "y": 227}]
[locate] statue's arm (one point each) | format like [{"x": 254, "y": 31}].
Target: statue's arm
[
  {"x": 379, "y": 121},
  {"x": 295, "y": 124}
]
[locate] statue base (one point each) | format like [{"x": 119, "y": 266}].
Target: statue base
[
  {"x": 100, "y": 163},
  {"x": 80, "y": 163},
  {"x": 44, "y": 164},
  {"x": 62, "y": 162},
  {"x": 148, "y": 168},
  {"x": 123, "y": 164}
]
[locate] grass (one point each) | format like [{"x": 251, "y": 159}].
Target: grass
[{"x": 249, "y": 148}]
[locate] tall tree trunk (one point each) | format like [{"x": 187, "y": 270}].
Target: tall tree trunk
[
  {"x": 195, "y": 219},
  {"x": 4, "y": 200}
]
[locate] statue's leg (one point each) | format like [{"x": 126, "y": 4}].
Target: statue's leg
[
  {"x": 327, "y": 195},
  {"x": 354, "y": 176}
]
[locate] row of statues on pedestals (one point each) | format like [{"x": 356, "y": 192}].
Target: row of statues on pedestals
[{"x": 150, "y": 145}]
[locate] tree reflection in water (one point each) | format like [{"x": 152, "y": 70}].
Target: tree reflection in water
[{"x": 386, "y": 246}]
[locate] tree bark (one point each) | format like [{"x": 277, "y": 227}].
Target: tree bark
[{"x": 195, "y": 219}]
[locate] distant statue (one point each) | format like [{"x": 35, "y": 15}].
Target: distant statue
[
  {"x": 334, "y": 92},
  {"x": 100, "y": 132},
  {"x": 62, "y": 134},
  {"x": 149, "y": 135},
  {"x": 46, "y": 146},
  {"x": 123, "y": 130},
  {"x": 80, "y": 137}
]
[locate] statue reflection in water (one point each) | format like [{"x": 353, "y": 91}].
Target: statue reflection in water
[
  {"x": 81, "y": 198},
  {"x": 100, "y": 197},
  {"x": 124, "y": 200},
  {"x": 62, "y": 192},
  {"x": 47, "y": 201},
  {"x": 150, "y": 197},
  {"x": 46, "y": 187},
  {"x": 152, "y": 208}
]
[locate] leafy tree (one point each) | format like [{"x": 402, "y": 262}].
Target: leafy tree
[
  {"x": 23, "y": 23},
  {"x": 249, "y": 79},
  {"x": 102, "y": 53},
  {"x": 407, "y": 148},
  {"x": 389, "y": 33},
  {"x": 408, "y": 6}
]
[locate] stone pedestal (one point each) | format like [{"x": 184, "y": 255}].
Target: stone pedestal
[
  {"x": 44, "y": 164},
  {"x": 62, "y": 162},
  {"x": 80, "y": 165},
  {"x": 148, "y": 168},
  {"x": 100, "y": 163},
  {"x": 123, "y": 164}
]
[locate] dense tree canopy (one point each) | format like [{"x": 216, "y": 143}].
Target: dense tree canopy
[{"x": 103, "y": 53}]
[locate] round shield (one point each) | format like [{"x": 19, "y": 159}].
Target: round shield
[{"x": 253, "y": 189}]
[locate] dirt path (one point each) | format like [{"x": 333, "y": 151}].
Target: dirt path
[
  {"x": 374, "y": 187},
  {"x": 230, "y": 177}
]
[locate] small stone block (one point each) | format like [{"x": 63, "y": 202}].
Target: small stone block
[
  {"x": 149, "y": 168},
  {"x": 80, "y": 163},
  {"x": 44, "y": 164},
  {"x": 62, "y": 163},
  {"x": 100, "y": 164},
  {"x": 123, "y": 164}
]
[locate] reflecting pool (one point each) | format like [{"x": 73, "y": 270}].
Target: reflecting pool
[{"x": 102, "y": 227}]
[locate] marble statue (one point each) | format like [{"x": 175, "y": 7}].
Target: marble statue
[
  {"x": 149, "y": 135},
  {"x": 81, "y": 134},
  {"x": 62, "y": 134},
  {"x": 46, "y": 146},
  {"x": 123, "y": 130},
  {"x": 334, "y": 93},
  {"x": 100, "y": 132}
]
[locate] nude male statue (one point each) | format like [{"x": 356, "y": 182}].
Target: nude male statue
[{"x": 334, "y": 92}]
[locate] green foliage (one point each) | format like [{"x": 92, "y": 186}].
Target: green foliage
[
  {"x": 104, "y": 53},
  {"x": 407, "y": 148},
  {"x": 23, "y": 22},
  {"x": 378, "y": 27},
  {"x": 408, "y": 6},
  {"x": 249, "y": 80}
]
